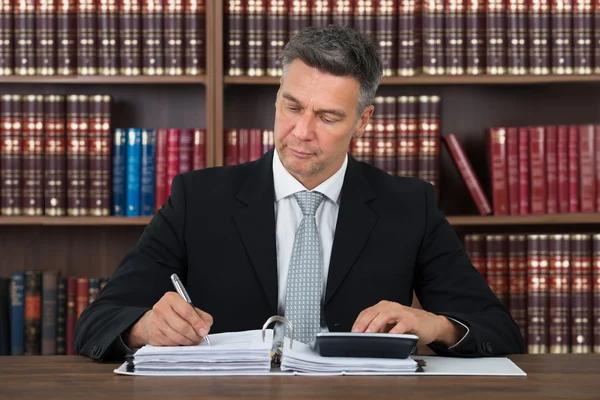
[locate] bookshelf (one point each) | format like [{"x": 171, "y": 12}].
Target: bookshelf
[{"x": 86, "y": 246}]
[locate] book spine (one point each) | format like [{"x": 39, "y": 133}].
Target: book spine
[
  {"x": 66, "y": 37},
  {"x": 7, "y": 60},
  {"x": 298, "y": 17},
  {"x": 82, "y": 293},
  {"x": 497, "y": 146},
  {"x": 45, "y": 37},
  {"x": 93, "y": 289},
  {"x": 194, "y": 37},
  {"x": 199, "y": 152},
  {"x": 468, "y": 174},
  {"x": 476, "y": 250},
  {"x": 11, "y": 154},
  {"x": 4, "y": 316},
  {"x": 186, "y": 150},
  {"x": 429, "y": 139},
  {"x": 561, "y": 36},
  {"x": 33, "y": 155},
  {"x": 235, "y": 32},
  {"x": 596, "y": 292},
  {"x": 539, "y": 37},
  {"x": 385, "y": 34},
  {"x": 454, "y": 35},
  {"x": 497, "y": 266},
  {"x": 277, "y": 33},
  {"x": 321, "y": 13},
  {"x": 409, "y": 31},
  {"x": 172, "y": 156},
  {"x": 153, "y": 61},
  {"x": 108, "y": 37},
  {"x": 378, "y": 133},
  {"x": 33, "y": 312},
  {"x": 231, "y": 150},
  {"x": 389, "y": 134},
  {"x": 119, "y": 172},
  {"x": 254, "y": 144},
  {"x": 364, "y": 17},
  {"x": 173, "y": 37},
  {"x": 496, "y": 38},
  {"x": 61, "y": 317},
  {"x": 516, "y": 37},
  {"x": 161, "y": 168},
  {"x": 433, "y": 37},
  {"x": 243, "y": 145},
  {"x": 133, "y": 168},
  {"x": 559, "y": 292},
  {"x": 407, "y": 156},
  {"x": 87, "y": 42},
  {"x": 582, "y": 37},
  {"x": 256, "y": 38},
  {"x": 24, "y": 26},
  {"x": 54, "y": 156},
  {"x": 551, "y": 170},
  {"x": 343, "y": 10},
  {"x": 148, "y": 175},
  {"x": 71, "y": 315},
  {"x": 581, "y": 294},
  {"x": 17, "y": 313},
  {"x": 562, "y": 176},
  {"x": 512, "y": 170},
  {"x": 597, "y": 165},
  {"x": 596, "y": 38},
  {"x": 49, "y": 316},
  {"x": 475, "y": 32},
  {"x": 77, "y": 155},
  {"x": 573, "y": 149},
  {"x": 524, "y": 181},
  {"x": 587, "y": 169},
  {"x": 537, "y": 294},
  {"x": 537, "y": 166},
  {"x": 100, "y": 157},
  {"x": 517, "y": 277},
  {"x": 130, "y": 37}
]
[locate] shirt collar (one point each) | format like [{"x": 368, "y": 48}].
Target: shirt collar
[{"x": 286, "y": 185}]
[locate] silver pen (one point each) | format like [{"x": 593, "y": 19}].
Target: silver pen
[{"x": 184, "y": 295}]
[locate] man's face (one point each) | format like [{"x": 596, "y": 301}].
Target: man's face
[{"x": 315, "y": 118}]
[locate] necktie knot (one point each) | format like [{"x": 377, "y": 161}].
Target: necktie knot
[{"x": 309, "y": 202}]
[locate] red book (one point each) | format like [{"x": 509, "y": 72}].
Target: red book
[
  {"x": 172, "y": 157},
  {"x": 475, "y": 248},
  {"x": 231, "y": 156},
  {"x": 83, "y": 295},
  {"x": 524, "y": 207},
  {"x": 573, "y": 162},
  {"x": 255, "y": 145},
  {"x": 497, "y": 152},
  {"x": 186, "y": 150},
  {"x": 537, "y": 164},
  {"x": 512, "y": 154},
  {"x": 466, "y": 171},
  {"x": 199, "y": 149},
  {"x": 562, "y": 170},
  {"x": 161, "y": 193},
  {"x": 243, "y": 146},
  {"x": 587, "y": 168},
  {"x": 551, "y": 170}
]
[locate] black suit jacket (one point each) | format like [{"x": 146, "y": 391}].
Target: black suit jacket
[{"x": 217, "y": 232}]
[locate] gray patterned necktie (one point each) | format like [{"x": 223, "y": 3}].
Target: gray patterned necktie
[{"x": 305, "y": 282}]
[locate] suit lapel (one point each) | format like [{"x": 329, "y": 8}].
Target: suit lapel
[
  {"x": 354, "y": 225},
  {"x": 256, "y": 225}
]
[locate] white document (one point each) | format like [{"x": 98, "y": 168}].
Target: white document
[{"x": 245, "y": 353}]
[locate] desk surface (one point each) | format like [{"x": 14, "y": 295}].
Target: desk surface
[{"x": 47, "y": 377}]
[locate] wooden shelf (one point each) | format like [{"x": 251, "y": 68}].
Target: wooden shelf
[
  {"x": 550, "y": 219},
  {"x": 105, "y": 79},
  {"x": 76, "y": 221},
  {"x": 460, "y": 220},
  {"x": 441, "y": 80}
]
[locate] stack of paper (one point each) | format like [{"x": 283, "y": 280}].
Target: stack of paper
[
  {"x": 231, "y": 353},
  {"x": 301, "y": 358}
]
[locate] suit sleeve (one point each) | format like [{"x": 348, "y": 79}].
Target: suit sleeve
[
  {"x": 446, "y": 283},
  {"x": 140, "y": 280}
]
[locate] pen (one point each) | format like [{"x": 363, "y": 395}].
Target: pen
[{"x": 183, "y": 293}]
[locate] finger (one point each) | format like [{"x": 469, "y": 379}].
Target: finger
[
  {"x": 400, "y": 327},
  {"x": 180, "y": 325},
  {"x": 364, "y": 319},
  {"x": 379, "y": 323},
  {"x": 188, "y": 313},
  {"x": 206, "y": 317},
  {"x": 174, "y": 338}
]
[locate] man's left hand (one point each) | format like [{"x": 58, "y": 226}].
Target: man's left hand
[{"x": 390, "y": 317}]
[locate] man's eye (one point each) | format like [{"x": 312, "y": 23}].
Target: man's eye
[
  {"x": 294, "y": 109},
  {"x": 327, "y": 121}
]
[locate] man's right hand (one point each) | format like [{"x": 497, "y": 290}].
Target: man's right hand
[{"x": 171, "y": 322}]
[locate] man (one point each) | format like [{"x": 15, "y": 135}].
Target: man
[{"x": 306, "y": 232}]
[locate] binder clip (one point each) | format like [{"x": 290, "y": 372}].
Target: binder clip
[{"x": 277, "y": 353}]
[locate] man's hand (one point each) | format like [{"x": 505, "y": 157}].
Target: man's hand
[
  {"x": 390, "y": 317},
  {"x": 171, "y": 322}
]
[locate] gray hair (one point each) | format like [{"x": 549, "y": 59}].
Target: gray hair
[{"x": 339, "y": 51}]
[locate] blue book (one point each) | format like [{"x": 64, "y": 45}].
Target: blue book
[
  {"x": 148, "y": 171},
  {"x": 134, "y": 172},
  {"x": 118, "y": 172},
  {"x": 17, "y": 313}
]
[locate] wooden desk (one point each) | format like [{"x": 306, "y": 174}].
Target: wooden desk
[{"x": 65, "y": 377}]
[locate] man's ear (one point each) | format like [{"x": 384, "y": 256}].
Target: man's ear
[{"x": 363, "y": 120}]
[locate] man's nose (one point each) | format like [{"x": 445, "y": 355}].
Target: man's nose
[{"x": 305, "y": 126}]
